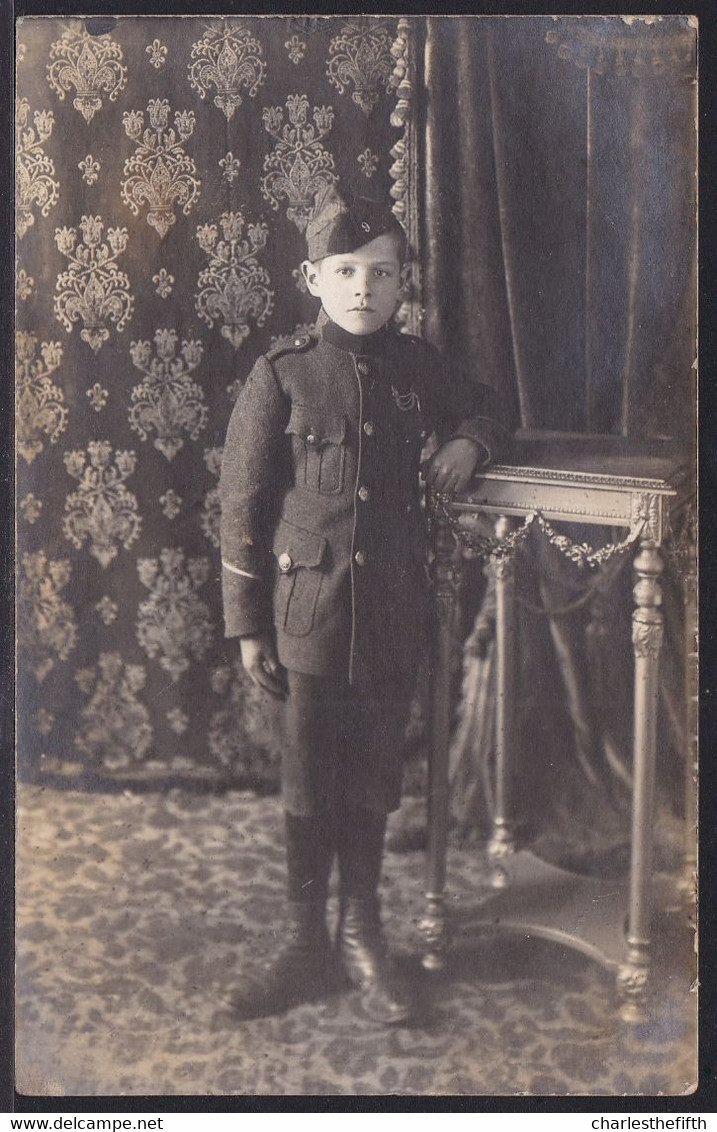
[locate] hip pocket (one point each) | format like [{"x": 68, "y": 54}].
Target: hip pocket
[{"x": 299, "y": 555}]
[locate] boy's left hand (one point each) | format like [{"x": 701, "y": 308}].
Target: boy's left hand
[{"x": 450, "y": 468}]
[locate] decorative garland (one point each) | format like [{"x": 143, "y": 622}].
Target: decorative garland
[{"x": 582, "y": 554}]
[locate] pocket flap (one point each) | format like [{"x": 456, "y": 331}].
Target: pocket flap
[
  {"x": 317, "y": 426},
  {"x": 293, "y": 546}
]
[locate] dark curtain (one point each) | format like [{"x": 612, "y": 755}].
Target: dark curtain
[
  {"x": 165, "y": 171},
  {"x": 559, "y": 234}
]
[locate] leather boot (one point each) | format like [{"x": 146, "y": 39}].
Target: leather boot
[
  {"x": 365, "y": 960},
  {"x": 301, "y": 972}
]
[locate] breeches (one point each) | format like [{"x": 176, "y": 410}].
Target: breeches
[{"x": 344, "y": 744}]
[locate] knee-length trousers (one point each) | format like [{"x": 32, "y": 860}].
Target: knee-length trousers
[{"x": 344, "y": 745}]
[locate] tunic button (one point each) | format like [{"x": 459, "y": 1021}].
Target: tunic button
[
  {"x": 363, "y": 367},
  {"x": 364, "y": 494},
  {"x": 285, "y": 563},
  {"x": 369, "y": 428},
  {"x": 360, "y": 558},
  {"x": 311, "y": 439}
]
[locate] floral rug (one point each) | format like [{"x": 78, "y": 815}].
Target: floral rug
[{"x": 136, "y": 913}]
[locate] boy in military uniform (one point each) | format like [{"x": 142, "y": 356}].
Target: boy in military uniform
[{"x": 323, "y": 555}]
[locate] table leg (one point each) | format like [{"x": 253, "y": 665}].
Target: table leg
[
  {"x": 647, "y": 632},
  {"x": 433, "y": 925},
  {"x": 502, "y": 841}
]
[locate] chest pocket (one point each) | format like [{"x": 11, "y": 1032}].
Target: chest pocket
[{"x": 319, "y": 448}]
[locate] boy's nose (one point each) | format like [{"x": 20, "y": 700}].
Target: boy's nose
[{"x": 362, "y": 285}]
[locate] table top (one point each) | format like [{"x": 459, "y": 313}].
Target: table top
[{"x": 654, "y": 464}]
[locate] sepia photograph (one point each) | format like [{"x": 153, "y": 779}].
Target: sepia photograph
[{"x": 356, "y": 555}]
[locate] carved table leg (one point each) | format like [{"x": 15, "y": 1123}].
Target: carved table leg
[
  {"x": 502, "y": 842},
  {"x": 433, "y": 925},
  {"x": 647, "y": 630}
]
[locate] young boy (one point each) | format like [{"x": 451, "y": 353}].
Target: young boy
[{"x": 323, "y": 558}]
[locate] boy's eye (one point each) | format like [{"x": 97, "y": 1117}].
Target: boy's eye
[
  {"x": 380, "y": 273},
  {"x": 345, "y": 271}
]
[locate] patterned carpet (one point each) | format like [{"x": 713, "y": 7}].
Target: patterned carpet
[{"x": 136, "y": 913}]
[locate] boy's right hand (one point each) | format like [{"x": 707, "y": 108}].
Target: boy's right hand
[{"x": 258, "y": 655}]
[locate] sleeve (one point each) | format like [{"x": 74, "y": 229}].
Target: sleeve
[
  {"x": 461, "y": 407},
  {"x": 251, "y": 470}
]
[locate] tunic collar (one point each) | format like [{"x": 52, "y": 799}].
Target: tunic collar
[{"x": 354, "y": 343}]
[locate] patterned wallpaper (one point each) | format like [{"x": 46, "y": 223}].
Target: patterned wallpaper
[{"x": 165, "y": 170}]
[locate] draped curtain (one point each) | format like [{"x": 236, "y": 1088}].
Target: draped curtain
[
  {"x": 559, "y": 233},
  {"x": 165, "y": 172}
]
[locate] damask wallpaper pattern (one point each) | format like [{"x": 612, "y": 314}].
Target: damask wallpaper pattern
[{"x": 165, "y": 173}]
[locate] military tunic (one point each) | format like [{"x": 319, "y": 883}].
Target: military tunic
[{"x": 321, "y": 529}]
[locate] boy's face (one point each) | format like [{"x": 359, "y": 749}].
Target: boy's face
[{"x": 359, "y": 290}]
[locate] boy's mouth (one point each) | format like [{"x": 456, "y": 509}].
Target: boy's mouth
[{"x": 362, "y": 310}]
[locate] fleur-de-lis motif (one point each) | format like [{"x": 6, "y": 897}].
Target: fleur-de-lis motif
[
  {"x": 164, "y": 282},
  {"x": 174, "y": 621},
  {"x": 211, "y": 511},
  {"x": 227, "y": 57},
  {"x": 31, "y": 507},
  {"x": 102, "y": 509},
  {"x": 178, "y": 720},
  {"x": 361, "y": 55},
  {"x": 159, "y": 173},
  {"x": 298, "y": 165},
  {"x": 115, "y": 728},
  {"x": 167, "y": 401},
  {"x": 39, "y": 405},
  {"x": 299, "y": 282},
  {"x": 35, "y": 182},
  {"x": 24, "y": 284},
  {"x": 44, "y": 721},
  {"x": 107, "y": 610},
  {"x": 90, "y": 64},
  {"x": 171, "y": 503},
  {"x": 46, "y": 624},
  {"x": 157, "y": 53},
  {"x": 296, "y": 49},
  {"x": 230, "y": 164},
  {"x": 89, "y": 168},
  {"x": 97, "y": 395},
  {"x": 93, "y": 288},
  {"x": 233, "y": 288},
  {"x": 368, "y": 162}
]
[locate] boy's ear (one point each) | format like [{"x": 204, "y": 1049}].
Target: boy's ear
[{"x": 310, "y": 272}]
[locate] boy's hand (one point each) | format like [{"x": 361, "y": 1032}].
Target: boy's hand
[
  {"x": 258, "y": 655},
  {"x": 450, "y": 468}
]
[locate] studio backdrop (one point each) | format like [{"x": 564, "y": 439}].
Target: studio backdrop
[{"x": 166, "y": 169}]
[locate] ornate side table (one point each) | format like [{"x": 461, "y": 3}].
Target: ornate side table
[{"x": 645, "y": 487}]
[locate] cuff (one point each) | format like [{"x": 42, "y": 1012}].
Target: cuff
[
  {"x": 246, "y": 608},
  {"x": 489, "y": 437}
]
